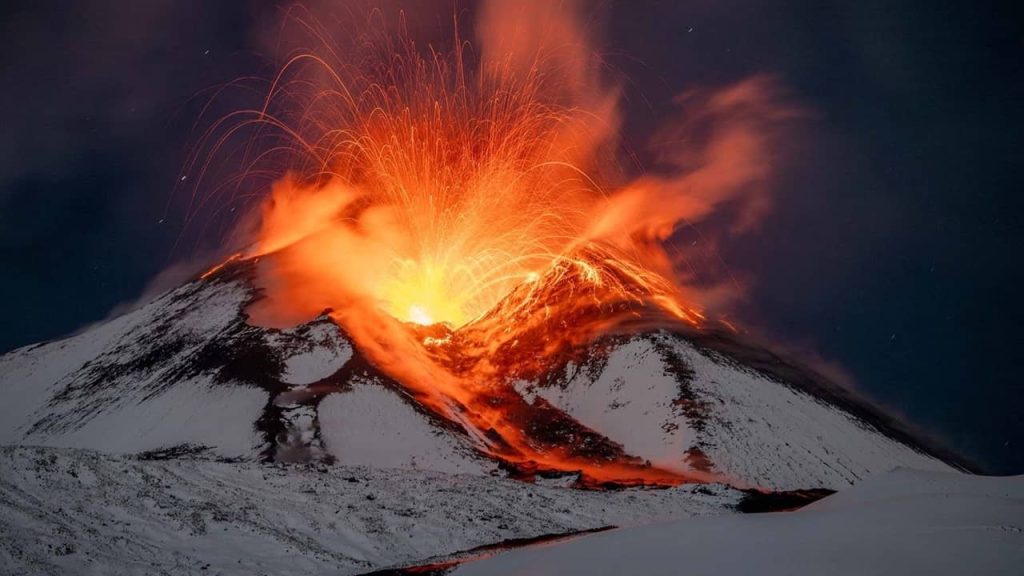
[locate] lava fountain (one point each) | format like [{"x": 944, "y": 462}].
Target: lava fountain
[{"x": 463, "y": 216}]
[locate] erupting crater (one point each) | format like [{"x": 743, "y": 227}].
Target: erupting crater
[{"x": 464, "y": 216}]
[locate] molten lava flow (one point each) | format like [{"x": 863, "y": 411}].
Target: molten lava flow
[
  {"x": 217, "y": 268},
  {"x": 463, "y": 217}
]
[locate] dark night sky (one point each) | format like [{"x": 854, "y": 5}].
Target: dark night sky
[{"x": 892, "y": 249}]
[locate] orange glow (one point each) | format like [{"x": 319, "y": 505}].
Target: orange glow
[
  {"x": 213, "y": 270},
  {"x": 466, "y": 221}
]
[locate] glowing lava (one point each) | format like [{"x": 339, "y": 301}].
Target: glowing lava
[{"x": 480, "y": 190}]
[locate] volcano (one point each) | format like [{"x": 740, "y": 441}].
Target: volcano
[
  {"x": 186, "y": 374},
  {"x": 183, "y": 402}
]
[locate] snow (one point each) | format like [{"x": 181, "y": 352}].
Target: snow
[
  {"x": 78, "y": 392},
  {"x": 631, "y": 402},
  {"x": 192, "y": 412},
  {"x": 30, "y": 373},
  {"x": 65, "y": 511},
  {"x": 906, "y": 522},
  {"x": 371, "y": 425},
  {"x": 324, "y": 352},
  {"x": 774, "y": 436},
  {"x": 753, "y": 430}
]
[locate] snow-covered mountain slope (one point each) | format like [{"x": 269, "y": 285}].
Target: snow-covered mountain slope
[
  {"x": 683, "y": 406},
  {"x": 186, "y": 372},
  {"x": 906, "y": 522},
  {"x": 186, "y": 369},
  {"x": 134, "y": 383},
  {"x": 178, "y": 438},
  {"x": 68, "y": 511},
  {"x": 370, "y": 425}
]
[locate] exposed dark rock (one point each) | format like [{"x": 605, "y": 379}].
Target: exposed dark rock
[{"x": 756, "y": 501}]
